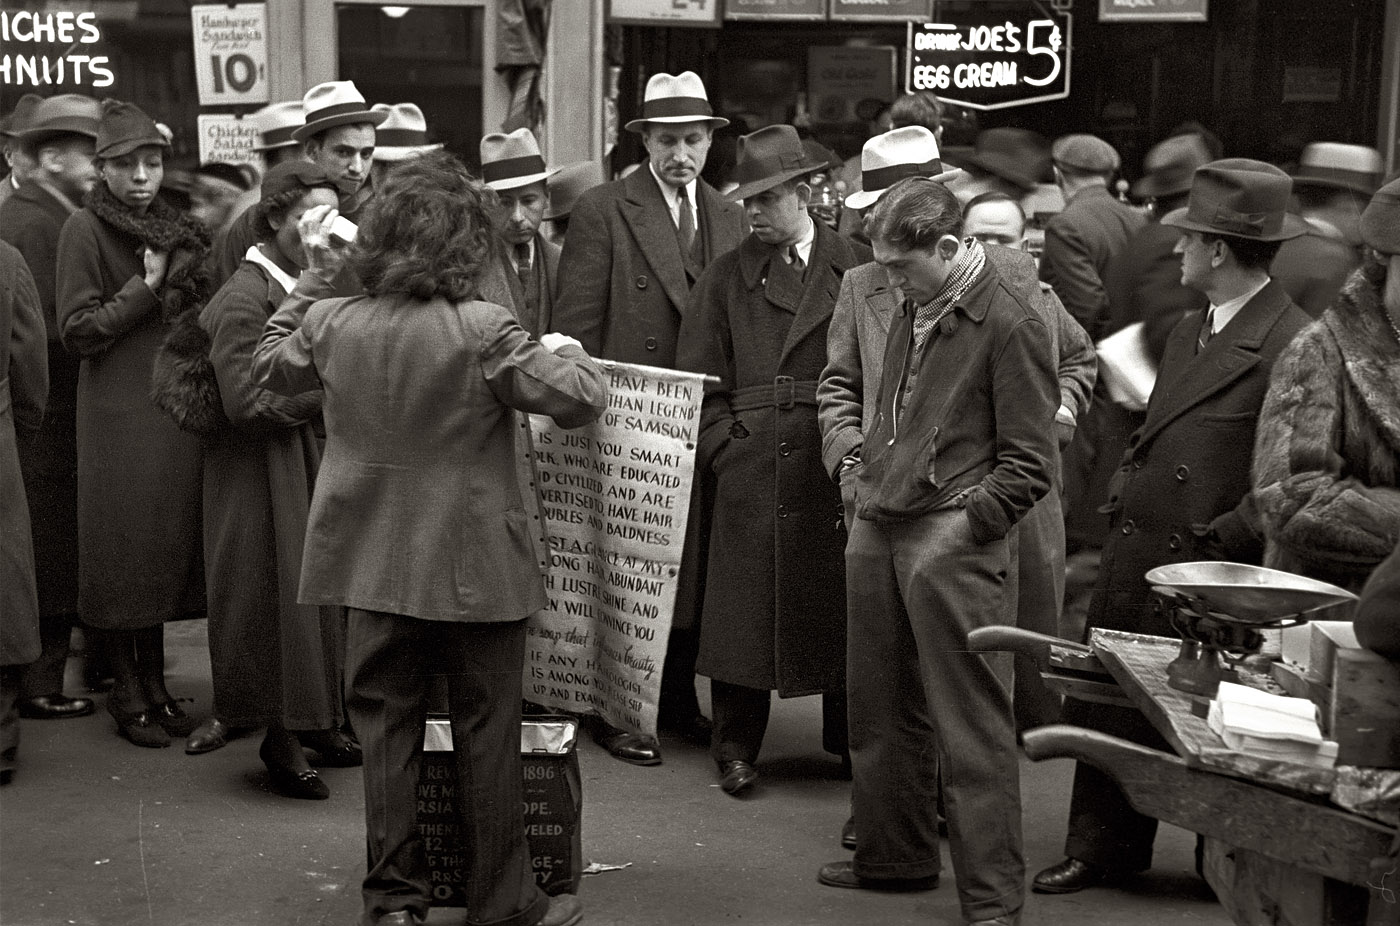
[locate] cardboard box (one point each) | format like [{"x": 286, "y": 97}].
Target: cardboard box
[
  {"x": 1365, "y": 709},
  {"x": 1327, "y": 638},
  {"x": 553, "y": 806}
]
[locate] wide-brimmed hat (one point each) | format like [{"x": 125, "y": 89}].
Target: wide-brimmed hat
[
  {"x": 65, "y": 114},
  {"x": 404, "y": 135},
  {"x": 17, "y": 119},
  {"x": 675, "y": 98},
  {"x": 1380, "y": 222},
  {"x": 571, "y": 182},
  {"x": 1018, "y": 156},
  {"x": 295, "y": 175},
  {"x": 510, "y": 161},
  {"x": 276, "y": 123},
  {"x": 335, "y": 103},
  {"x": 1340, "y": 167},
  {"x": 1169, "y": 166},
  {"x": 1242, "y": 198},
  {"x": 1085, "y": 153},
  {"x": 887, "y": 159},
  {"x": 768, "y": 157},
  {"x": 124, "y": 127}
]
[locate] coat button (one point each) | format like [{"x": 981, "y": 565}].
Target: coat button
[
  {"x": 1183, "y": 472},
  {"x": 784, "y": 449},
  {"x": 641, "y": 282},
  {"x": 782, "y": 511},
  {"x": 1128, "y": 526},
  {"x": 650, "y": 343},
  {"x": 1174, "y": 542}
]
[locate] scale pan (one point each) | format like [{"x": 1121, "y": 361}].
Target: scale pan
[{"x": 1248, "y": 593}]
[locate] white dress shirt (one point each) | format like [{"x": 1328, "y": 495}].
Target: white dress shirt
[
  {"x": 1230, "y": 308},
  {"x": 673, "y": 201}
]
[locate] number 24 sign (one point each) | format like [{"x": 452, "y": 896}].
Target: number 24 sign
[{"x": 230, "y": 53}]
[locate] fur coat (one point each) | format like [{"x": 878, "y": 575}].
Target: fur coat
[{"x": 1327, "y": 451}]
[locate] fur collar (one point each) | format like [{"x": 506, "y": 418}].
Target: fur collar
[
  {"x": 163, "y": 228},
  {"x": 1370, "y": 351}
]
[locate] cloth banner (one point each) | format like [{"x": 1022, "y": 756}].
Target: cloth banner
[{"x": 616, "y": 495}]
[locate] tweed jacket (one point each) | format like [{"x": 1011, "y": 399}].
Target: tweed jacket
[
  {"x": 1327, "y": 453},
  {"x": 1182, "y": 492},
  {"x": 624, "y": 284},
  {"x": 1078, "y": 245},
  {"x": 546, "y": 270},
  {"x": 417, "y": 508}
]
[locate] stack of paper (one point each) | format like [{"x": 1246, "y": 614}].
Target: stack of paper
[{"x": 1270, "y": 726}]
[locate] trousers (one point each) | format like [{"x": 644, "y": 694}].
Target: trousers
[
  {"x": 392, "y": 664},
  {"x": 741, "y": 720}
]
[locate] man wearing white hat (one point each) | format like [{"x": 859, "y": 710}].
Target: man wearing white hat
[
  {"x": 512, "y": 166},
  {"x": 635, "y": 248},
  {"x": 402, "y": 136}
]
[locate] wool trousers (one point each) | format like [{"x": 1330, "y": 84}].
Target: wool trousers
[
  {"x": 393, "y": 662},
  {"x": 1040, "y": 581},
  {"x": 741, "y": 720},
  {"x": 921, "y": 703}
]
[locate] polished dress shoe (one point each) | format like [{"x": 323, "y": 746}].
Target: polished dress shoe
[
  {"x": 1006, "y": 919},
  {"x": 333, "y": 748},
  {"x": 629, "y": 747},
  {"x": 398, "y": 918},
  {"x": 564, "y": 910},
  {"x": 695, "y": 728},
  {"x": 139, "y": 727},
  {"x": 848, "y": 834},
  {"x": 173, "y": 719},
  {"x": 736, "y": 776},
  {"x": 305, "y": 784},
  {"x": 1067, "y": 877},
  {"x": 211, "y": 735},
  {"x": 56, "y": 706},
  {"x": 842, "y": 874}
]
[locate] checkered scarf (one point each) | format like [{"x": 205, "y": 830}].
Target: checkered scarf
[{"x": 959, "y": 279}]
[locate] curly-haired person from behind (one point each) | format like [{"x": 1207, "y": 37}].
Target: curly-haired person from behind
[{"x": 417, "y": 524}]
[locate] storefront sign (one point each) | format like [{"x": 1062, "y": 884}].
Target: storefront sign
[
  {"x": 230, "y": 53},
  {"x": 43, "y": 49},
  {"x": 882, "y": 10},
  {"x": 225, "y": 137},
  {"x": 986, "y": 59},
  {"x": 616, "y": 497},
  {"x": 838, "y": 78},
  {"x": 1312, "y": 85},
  {"x": 664, "y": 12},
  {"x": 1153, "y": 11},
  {"x": 775, "y": 9}
]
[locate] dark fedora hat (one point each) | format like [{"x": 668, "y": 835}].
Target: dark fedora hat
[
  {"x": 1169, "y": 166},
  {"x": 124, "y": 127},
  {"x": 1242, "y": 198},
  {"x": 769, "y": 157},
  {"x": 1019, "y": 156},
  {"x": 17, "y": 119},
  {"x": 1380, "y": 223},
  {"x": 65, "y": 114},
  {"x": 570, "y": 183}
]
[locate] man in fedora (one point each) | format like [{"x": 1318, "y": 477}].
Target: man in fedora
[
  {"x": 1003, "y": 160},
  {"x": 636, "y": 248},
  {"x": 565, "y": 187},
  {"x": 774, "y": 609},
  {"x": 512, "y": 166},
  {"x": 19, "y": 164},
  {"x": 402, "y": 136},
  {"x": 1332, "y": 184},
  {"x": 60, "y": 139},
  {"x": 1182, "y": 492},
  {"x": 960, "y": 448}
]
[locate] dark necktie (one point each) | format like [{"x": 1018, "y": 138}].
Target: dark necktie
[
  {"x": 796, "y": 260},
  {"x": 1203, "y": 338},
  {"x": 685, "y": 232},
  {"x": 527, "y": 278}
]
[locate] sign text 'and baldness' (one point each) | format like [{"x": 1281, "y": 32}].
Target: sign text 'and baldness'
[
  {"x": 986, "y": 59},
  {"x": 616, "y": 497}
]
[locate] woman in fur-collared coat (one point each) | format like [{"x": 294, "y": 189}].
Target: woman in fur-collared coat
[{"x": 1327, "y": 454}]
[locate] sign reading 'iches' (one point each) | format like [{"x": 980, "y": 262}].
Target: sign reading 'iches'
[
  {"x": 988, "y": 58},
  {"x": 616, "y": 495}
]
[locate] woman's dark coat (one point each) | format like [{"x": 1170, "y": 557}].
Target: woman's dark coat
[
  {"x": 775, "y": 598},
  {"x": 272, "y": 658},
  {"x": 138, "y": 474},
  {"x": 1328, "y": 450}
]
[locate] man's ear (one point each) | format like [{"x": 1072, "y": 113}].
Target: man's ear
[
  {"x": 804, "y": 193},
  {"x": 947, "y": 247}
]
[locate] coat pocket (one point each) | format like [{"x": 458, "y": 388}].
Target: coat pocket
[{"x": 902, "y": 479}]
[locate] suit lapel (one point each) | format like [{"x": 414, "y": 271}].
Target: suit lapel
[
  {"x": 645, "y": 212},
  {"x": 881, "y": 302},
  {"x": 717, "y": 217},
  {"x": 549, "y": 275}
]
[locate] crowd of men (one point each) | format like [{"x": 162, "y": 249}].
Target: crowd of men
[{"x": 911, "y": 435}]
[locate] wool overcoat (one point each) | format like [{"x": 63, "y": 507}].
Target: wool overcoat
[
  {"x": 1079, "y": 242},
  {"x": 1312, "y": 269},
  {"x": 138, "y": 474},
  {"x": 23, "y": 386},
  {"x": 1327, "y": 454},
  {"x": 775, "y": 594},
  {"x": 272, "y": 658},
  {"x": 32, "y": 220},
  {"x": 1182, "y": 492}
]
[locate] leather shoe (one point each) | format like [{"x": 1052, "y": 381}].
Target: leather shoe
[
  {"x": 398, "y": 918},
  {"x": 848, "y": 834},
  {"x": 564, "y": 910},
  {"x": 1006, "y": 919},
  {"x": 630, "y": 747},
  {"x": 211, "y": 735},
  {"x": 173, "y": 719},
  {"x": 736, "y": 776},
  {"x": 306, "y": 786},
  {"x": 56, "y": 706},
  {"x": 333, "y": 748},
  {"x": 841, "y": 874},
  {"x": 139, "y": 727},
  {"x": 1067, "y": 877},
  {"x": 696, "y": 728}
]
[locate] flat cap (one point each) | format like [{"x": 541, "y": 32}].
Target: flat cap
[
  {"x": 1085, "y": 152},
  {"x": 1380, "y": 222}
]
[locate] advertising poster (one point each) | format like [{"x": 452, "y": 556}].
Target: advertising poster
[
  {"x": 225, "y": 137},
  {"x": 230, "y": 53}
]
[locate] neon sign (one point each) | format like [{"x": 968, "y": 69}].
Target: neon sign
[{"x": 67, "y": 29}]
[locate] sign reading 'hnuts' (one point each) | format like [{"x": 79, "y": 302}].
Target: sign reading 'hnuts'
[{"x": 985, "y": 58}]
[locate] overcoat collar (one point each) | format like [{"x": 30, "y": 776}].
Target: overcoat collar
[
  {"x": 1192, "y": 378},
  {"x": 1370, "y": 352},
  {"x": 645, "y": 212}
]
